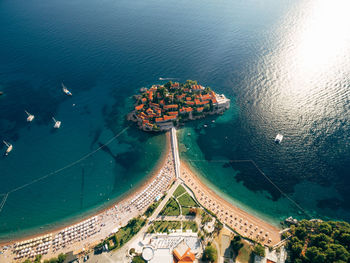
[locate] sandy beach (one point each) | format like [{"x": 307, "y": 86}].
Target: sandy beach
[
  {"x": 82, "y": 236},
  {"x": 86, "y": 233},
  {"x": 237, "y": 219}
]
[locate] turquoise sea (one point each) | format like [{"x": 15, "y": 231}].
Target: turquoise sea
[{"x": 284, "y": 64}]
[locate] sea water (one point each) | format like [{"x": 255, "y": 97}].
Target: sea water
[{"x": 284, "y": 65}]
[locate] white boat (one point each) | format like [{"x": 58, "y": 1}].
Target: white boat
[
  {"x": 30, "y": 116},
  {"x": 65, "y": 90},
  {"x": 279, "y": 138},
  {"x": 9, "y": 147},
  {"x": 57, "y": 123}
]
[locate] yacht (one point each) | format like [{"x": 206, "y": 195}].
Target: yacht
[
  {"x": 65, "y": 90},
  {"x": 279, "y": 138},
  {"x": 30, "y": 116},
  {"x": 57, "y": 123},
  {"x": 9, "y": 147}
]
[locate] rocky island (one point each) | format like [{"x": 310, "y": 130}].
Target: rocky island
[{"x": 162, "y": 107}]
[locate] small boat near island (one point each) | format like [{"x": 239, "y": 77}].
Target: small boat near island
[
  {"x": 30, "y": 116},
  {"x": 279, "y": 138},
  {"x": 65, "y": 90},
  {"x": 57, "y": 123},
  {"x": 9, "y": 147}
]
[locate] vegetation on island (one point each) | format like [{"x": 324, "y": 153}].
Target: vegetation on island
[
  {"x": 164, "y": 106},
  {"x": 317, "y": 241}
]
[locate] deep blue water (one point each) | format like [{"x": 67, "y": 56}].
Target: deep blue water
[{"x": 284, "y": 64}]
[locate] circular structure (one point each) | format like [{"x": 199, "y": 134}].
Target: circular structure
[{"x": 147, "y": 253}]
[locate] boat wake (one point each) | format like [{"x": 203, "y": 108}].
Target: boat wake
[{"x": 168, "y": 78}]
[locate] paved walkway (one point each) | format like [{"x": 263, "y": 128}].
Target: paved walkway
[{"x": 174, "y": 146}]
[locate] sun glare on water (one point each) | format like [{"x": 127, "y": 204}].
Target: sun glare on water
[{"x": 325, "y": 36}]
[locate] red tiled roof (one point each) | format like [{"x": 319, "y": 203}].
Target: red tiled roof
[
  {"x": 154, "y": 104},
  {"x": 174, "y": 113},
  {"x": 149, "y": 111},
  {"x": 197, "y": 87},
  {"x": 187, "y": 257},
  {"x": 205, "y": 97},
  {"x": 167, "y": 118},
  {"x": 198, "y": 102},
  {"x": 171, "y": 106},
  {"x": 139, "y": 107}
]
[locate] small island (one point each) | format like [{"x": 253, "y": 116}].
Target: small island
[{"x": 162, "y": 107}]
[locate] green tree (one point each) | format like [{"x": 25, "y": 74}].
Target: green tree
[
  {"x": 27, "y": 261},
  {"x": 168, "y": 84},
  {"x": 301, "y": 232},
  {"x": 236, "y": 244},
  {"x": 210, "y": 254},
  {"x": 296, "y": 249},
  {"x": 61, "y": 257},
  {"x": 259, "y": 250},
  {"x": 314, "y": 255},
  {"x": 38, "y": 259}
]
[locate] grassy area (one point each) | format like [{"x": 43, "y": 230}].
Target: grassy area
[
  {"x": 179, "y": 190},
  {"x": 123, "y": 235},
  {"x": 171, "y": 208},
  {"x": 190, "y": 225},
  {"x": 165, "y": 226},
  {"x": 185, "y": 211},
  {"x": 187, "y": 201}
]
